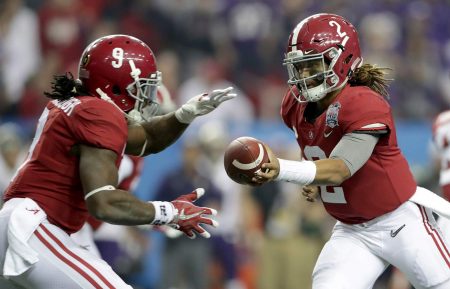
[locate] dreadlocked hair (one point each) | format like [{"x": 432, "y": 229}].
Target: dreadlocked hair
[
  {"x": 373, "y": 77},
  {"x": 64, "y": 87}
]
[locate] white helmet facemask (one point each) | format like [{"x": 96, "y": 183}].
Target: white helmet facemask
[
  {"x": 320, "y": 79},
  {"x": 144, "y": 90}
]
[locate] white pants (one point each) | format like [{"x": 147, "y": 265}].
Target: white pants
[
  {"x": 444, "y": 225},
  {"x": 85, "y": 238},
  {"x": 62, "y": 263},
  {"x": 408, "y": 238}
]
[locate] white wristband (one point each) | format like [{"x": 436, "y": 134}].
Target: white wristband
[
  {"x": 301, "y": 173},
  {"x": 184, "y": 116},
  {"x": 165, "y": 212}
]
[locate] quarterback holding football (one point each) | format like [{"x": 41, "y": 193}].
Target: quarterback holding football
[{"x": 336, "y": 107}]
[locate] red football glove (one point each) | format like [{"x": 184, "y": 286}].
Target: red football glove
[{"x": 190, "y": 217}]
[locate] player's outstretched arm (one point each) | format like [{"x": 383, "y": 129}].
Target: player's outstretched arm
[
  {"x": 349, "y": 155},
  {"x": 98, "y": 174},
  {"x": 321, "y": 172},
  {"x": 99, "y": 177},
  {"x": 161, "y": 131},
  {"x": 155, "y": 135}
]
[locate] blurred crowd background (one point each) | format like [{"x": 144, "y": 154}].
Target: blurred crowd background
[{"x": 269, "y": 236}]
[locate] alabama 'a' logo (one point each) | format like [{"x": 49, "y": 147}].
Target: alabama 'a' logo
[{"x": 85, "y": 60}]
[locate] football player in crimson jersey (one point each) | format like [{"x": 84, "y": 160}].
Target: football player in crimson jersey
[
  {"x": 71, "y": 168},
  {"x": 129, "y": 174},
  {"x": 337, "y": 110}
]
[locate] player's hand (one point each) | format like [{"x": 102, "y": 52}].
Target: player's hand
[
  {"x": 269, "y": 171},
  {"x": 167, "y": 230},
  {"x": 310, "y": 192},
  {"x": 189, "y": 217},
  {"x": 203, "y": 104}
]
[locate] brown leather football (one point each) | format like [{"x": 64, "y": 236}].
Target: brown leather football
[{"x": 243, "y": 158}]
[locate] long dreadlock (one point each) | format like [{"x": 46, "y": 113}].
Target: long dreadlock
[
  {"x": 373, "y": 77},
  {"x": 65, "y": 87}
]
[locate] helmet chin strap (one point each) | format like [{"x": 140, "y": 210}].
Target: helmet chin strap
[
  {"x": 317, "y": 93},
  {"x": 133, "y": 115},
  {"x": 135, "y": 72}
]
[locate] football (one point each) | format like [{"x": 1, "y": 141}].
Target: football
[{"x": 243, "y": 158}]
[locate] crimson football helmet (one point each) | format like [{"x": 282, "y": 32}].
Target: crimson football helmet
[
  {"x": 322, "y": 53},
  {"x": 122, "y": 69}
]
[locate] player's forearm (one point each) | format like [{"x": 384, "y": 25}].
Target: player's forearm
[
  {"x": 162, "y": 131},
  {"x": 330, "y": 172},
  {"x": 122, "y": 208}
]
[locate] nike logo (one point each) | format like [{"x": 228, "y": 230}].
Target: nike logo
[
  {"x": 394, "y": 233},
  {"x": 327, "y": 134},
  {"x": 35, "y": 211},
  {"x": 184, "y": 217},
  {"x": 309, "y": 51},
  {"x": 85, "y": 247}
]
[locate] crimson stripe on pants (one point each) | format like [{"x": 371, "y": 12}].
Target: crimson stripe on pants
[
  {"x": 68, "y": 262},
  {"x": 76, "y": 257},
  {"x": 435, "y": 235}
]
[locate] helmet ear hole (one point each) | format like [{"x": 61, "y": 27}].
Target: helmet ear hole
[
  {"x": 347, "y": 60},
  {"x": 116, "y": 90}
]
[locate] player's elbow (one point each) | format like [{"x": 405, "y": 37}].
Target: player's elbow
[{"x": 98, "y": 209}]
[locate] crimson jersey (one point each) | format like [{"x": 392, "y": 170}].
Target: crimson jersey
[
  {"x": 441, "y": 139},
  {"x": 50, "y": 174},
  {"x": 384, "y": 182},
  {"x": 129, "y": 172}
]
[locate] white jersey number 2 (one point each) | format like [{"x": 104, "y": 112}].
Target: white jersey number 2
[{"x": 337, "y": 195}]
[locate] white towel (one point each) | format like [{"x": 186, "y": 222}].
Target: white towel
[
  {"x": 432, "y": 201},
  {"x": 24, "y": 220}
]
